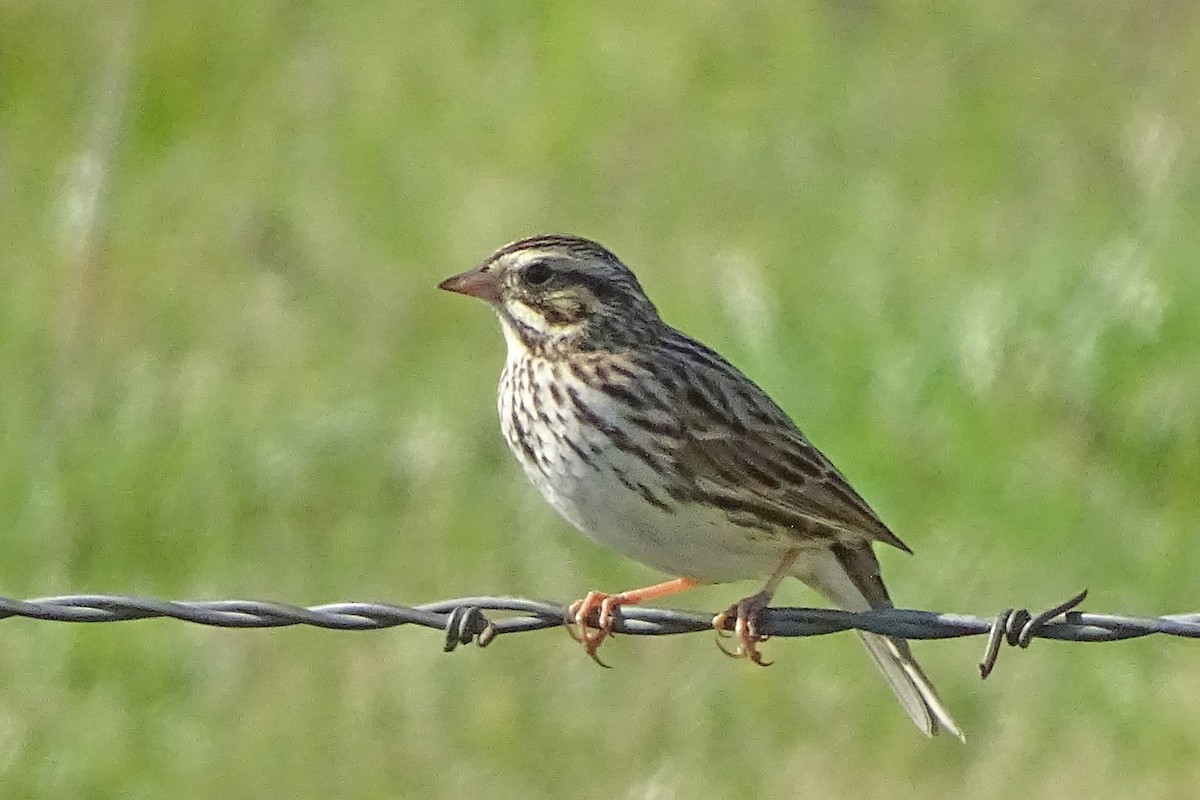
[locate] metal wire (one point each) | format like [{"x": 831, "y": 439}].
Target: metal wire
[{"x": 466, "y": 619}]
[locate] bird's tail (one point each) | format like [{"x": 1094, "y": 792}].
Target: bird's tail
[{"x": 849, "y": 578}]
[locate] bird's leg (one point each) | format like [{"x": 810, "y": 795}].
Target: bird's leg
[
  {"x": 746, "y": 612},
  {"x": 580, "y": 612}
]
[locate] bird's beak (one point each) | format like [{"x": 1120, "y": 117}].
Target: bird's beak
[{"x": 475, "y": 283}]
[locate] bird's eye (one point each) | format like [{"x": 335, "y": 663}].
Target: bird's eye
[{"x": 538, "y": 273}]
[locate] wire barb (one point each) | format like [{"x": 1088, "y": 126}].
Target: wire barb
[
  {"x": 481, "y": 619},
  {"x": 466, "y": 624},
  {"x": 1018, "y": 627}
]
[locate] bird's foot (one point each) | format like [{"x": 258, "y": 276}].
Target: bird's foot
[
  {"x": 579, "y": 614},
  {"x": 745, "y": 627}
]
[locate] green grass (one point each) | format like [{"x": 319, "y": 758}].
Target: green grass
[{"x": 958, "y": 244}]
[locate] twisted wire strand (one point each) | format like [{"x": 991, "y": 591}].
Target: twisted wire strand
[{"x": 465, "y": 620}]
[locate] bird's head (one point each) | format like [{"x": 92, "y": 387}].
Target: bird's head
[{"x": 556, "y": 293}]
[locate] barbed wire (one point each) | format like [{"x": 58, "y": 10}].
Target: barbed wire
[{"x": 465, "y": 620}]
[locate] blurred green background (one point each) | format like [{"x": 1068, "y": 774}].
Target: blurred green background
[{"x": 958, "y": 243}]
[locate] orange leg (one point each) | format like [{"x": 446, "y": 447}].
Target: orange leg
[
  {"x": 581, "y": 611},
  {"x": 746, "y": 613}
]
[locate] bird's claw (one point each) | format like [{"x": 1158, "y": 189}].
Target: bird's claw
[
  {"x": 580, "y": 612},
  {"x": 745, "y": 613}
]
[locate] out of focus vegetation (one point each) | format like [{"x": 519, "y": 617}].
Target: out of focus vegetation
[{"x": 958, "y": 243}]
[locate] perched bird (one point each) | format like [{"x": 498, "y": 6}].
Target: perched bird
[{"x": 654, "y": 445}]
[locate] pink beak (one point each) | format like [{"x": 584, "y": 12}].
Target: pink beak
[{"x": 475, "y": 283}]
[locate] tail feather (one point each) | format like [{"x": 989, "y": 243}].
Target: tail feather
[
  {"x": 910, "y": 684},
  {"x": 849, "y": 578}
]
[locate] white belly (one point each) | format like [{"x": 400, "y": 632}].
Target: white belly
[
  {"x": 601, "y": 492},
  {"x": 688, "y": 542}
]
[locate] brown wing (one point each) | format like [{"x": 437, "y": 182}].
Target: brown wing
[
  {"x": 744, "y": 453},
  {"x": 750, "y": 473}
]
